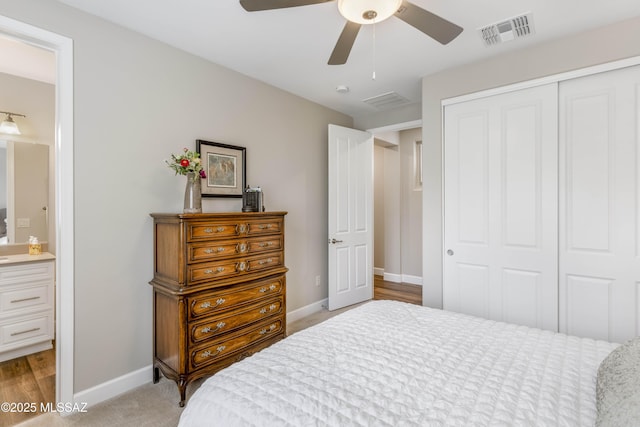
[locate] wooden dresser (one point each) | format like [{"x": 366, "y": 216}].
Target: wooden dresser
[{"x": 218, "y": 291}]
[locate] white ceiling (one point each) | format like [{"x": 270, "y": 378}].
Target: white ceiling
[{"x": 289, "y": 48}]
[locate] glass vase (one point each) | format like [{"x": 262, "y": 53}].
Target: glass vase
[{"x": 192, "y": 194}]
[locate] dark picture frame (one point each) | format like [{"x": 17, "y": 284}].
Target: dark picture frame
[{"x": 225, "y": 166}]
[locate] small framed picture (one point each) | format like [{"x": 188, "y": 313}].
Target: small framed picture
[{"x": 225, "y": 166}]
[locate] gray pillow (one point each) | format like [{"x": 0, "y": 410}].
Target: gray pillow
[{"x": 618, "y": 387}]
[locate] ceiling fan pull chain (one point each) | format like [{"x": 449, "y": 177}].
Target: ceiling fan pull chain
[{"x": 373, "y": 77}]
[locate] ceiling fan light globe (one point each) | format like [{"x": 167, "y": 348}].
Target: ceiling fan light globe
[{"x": 358, "y": 10}]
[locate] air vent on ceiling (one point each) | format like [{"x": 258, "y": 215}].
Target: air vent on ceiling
[
  {"x": 386, "y": 101},
  {"x": 507, "y": 30}
]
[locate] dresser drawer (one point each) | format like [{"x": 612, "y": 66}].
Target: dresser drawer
[
  {"x": 229, "y": 321},
  {"x": 199, "y": 231},
  {"x": 209, "y": 303},
  {"x": 212, "y": 250},
  {"x": 232, "y": 267},
  {"x": 219, "y": 349}
]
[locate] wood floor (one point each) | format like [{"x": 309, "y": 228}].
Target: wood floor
[
  {"x": 27, "y": 380},
  {"x": 396, "y": 291}
]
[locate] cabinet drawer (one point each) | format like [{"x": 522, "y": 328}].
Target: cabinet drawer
[
  {"x": 213, "y": 302},
  {"x": 208, "y": 251},
  {"x": 232, "y": 320},
  {"x": 199, "y": 231},
  {"x": 224, "y": 347},
  {"x": 24, "y": 273},
  {"x": 26, "y": 330},
  {"x": 15, "y": 300},
  {"x": 232, "y": 267}
]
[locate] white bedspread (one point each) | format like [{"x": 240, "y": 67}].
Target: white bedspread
[{"x": 394, "y": 364}]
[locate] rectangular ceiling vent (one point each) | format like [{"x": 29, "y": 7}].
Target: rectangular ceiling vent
[
  {"x": 386, "y": 101},
  {"x": 510, "y": 29}
]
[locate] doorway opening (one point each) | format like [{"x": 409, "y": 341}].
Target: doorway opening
[
  {"x": 398, "y": 206},
  {"x": 63, "y": 233}
]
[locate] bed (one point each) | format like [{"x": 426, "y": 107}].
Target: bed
[{"x": 389, "y": 363}]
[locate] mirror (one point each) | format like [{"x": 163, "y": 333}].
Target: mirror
[{"x": 24, "y": 191}]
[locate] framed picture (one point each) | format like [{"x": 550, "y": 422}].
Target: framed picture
[{"x": 225, "y": 166}]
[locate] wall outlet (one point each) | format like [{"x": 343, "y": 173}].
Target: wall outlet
[{"x": 318, "y": 280}]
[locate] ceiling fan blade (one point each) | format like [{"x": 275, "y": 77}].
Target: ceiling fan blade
[
  {"x": 432, "y": 25},
  {"x": 344, "y": 44},
  {"x": 257, "y": 5}
]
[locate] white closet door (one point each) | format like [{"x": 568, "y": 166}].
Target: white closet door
[
  {"x": 500, "y": 207},
  {"x": 599, "y": 197}
]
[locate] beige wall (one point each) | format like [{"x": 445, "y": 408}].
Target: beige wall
[
  {"x": 129, "y": 92},
  {"x": 597, "y": 46}
]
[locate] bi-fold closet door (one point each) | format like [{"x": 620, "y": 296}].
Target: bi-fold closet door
[{"x": 541, "y": 206}]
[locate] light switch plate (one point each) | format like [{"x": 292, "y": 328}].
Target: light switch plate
[{"x": 23, "y": 223}]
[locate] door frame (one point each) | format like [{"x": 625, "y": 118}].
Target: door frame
[{"x": 64, "y": 198}]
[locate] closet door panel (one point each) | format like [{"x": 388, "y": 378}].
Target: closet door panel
[
  {"x": 599, "y": 215},
  {"x": 500, "y": 177},
  {"x": 590, "y": 144}
]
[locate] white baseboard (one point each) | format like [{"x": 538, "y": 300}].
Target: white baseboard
[
  {"x": 401, "y": 278},
  {"x": 114, "y": 387},
  {"x": 307, "y": 310},
  {"x": 414, "y": 280},
  {"x": 378, "y": 271}
]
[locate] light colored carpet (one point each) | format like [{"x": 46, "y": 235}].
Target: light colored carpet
[{"x": 151, "y": 405}]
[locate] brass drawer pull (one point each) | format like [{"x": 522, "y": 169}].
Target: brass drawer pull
[
  {"x": 207, "y": 353},
  {"x": 25, "y": 332},
  {"x": 211, "y": 250},
  {"x": 266, "y": 331},
  {"x": 217, "y": 270},
  {"x": 272, "y": 307},
  {"x": 271, "y": 288},
  {"x": 23, "y": 299},
  {"x": 241, "y": 228},
  {"x": 263, "y": 226},
  {"x": 207, "y": 329},
  {"x": 241, "y": 247},
  {"x": 210, "y": 230},
  {"x": 264, "y": 244},
  {"x": 265, "y": 261},
  {"x": 207, "y": 304},
  {"x": 241, "y": 266}
]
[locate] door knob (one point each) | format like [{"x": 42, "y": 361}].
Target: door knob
[
  {"x": 449, "y": 252},
  {"x": 334, "y": 241}
]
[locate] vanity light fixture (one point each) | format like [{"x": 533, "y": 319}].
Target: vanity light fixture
[{"x": 8, "y": 125}]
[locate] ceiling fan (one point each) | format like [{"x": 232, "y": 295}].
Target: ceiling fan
[{"x": 362, "y": 12}]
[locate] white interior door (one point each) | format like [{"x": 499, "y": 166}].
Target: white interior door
[
  {"x": 350, "y": 216},
  {"x": 500, "y": 207},
  {"x": 599, "y": 211}
]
